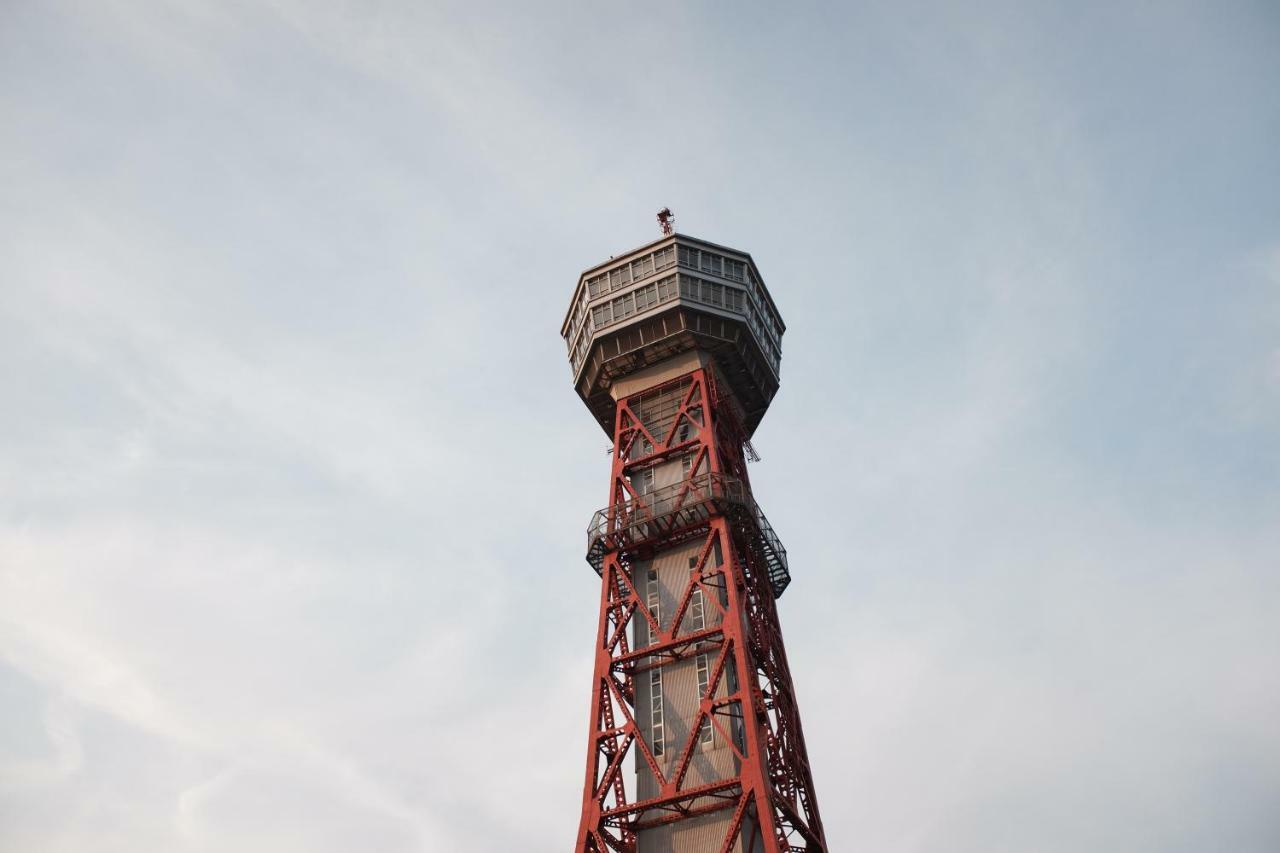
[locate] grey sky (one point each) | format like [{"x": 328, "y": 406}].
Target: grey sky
[{"x": 293, "y": 483}]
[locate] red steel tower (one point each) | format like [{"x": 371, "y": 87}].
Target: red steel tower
[{"x": 694, "y": 739}]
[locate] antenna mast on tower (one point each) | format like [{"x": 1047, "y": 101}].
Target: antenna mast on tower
[{"x": 666, "y": 220}]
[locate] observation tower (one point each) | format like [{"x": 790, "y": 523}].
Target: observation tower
[{"x": 694, "y": 741}]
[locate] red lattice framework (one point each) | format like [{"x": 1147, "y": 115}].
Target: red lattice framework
[{"x": 771, "y": 797}]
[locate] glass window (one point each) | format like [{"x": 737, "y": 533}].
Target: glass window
[
  {"x": 706, "y": 733},
  {"x": 655, "y": 711},
  {"x": 697, "y": 612},
  {"x": 650, "y": 297},
  {"x": 623, "y": 307},
  {"x": 653, "y": 600}
]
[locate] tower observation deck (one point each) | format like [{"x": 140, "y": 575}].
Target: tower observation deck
[{"x": 694, "y": 737}]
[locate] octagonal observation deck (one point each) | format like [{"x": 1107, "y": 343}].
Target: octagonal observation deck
[{"x": 671, "y": 296}]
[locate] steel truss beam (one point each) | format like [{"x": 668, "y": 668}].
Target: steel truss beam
[{"x": 771, "y": 795}]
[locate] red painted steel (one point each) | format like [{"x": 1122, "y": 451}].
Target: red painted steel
[{"x": 771, "y": 797}]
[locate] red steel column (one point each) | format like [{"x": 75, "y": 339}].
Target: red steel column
[{"x": 771, "y": 795}]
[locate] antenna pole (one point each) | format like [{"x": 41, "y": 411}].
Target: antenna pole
[{"x": 666, "y": 220}]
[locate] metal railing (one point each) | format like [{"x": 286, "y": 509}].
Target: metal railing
[{"x": 668, "y": 512}]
